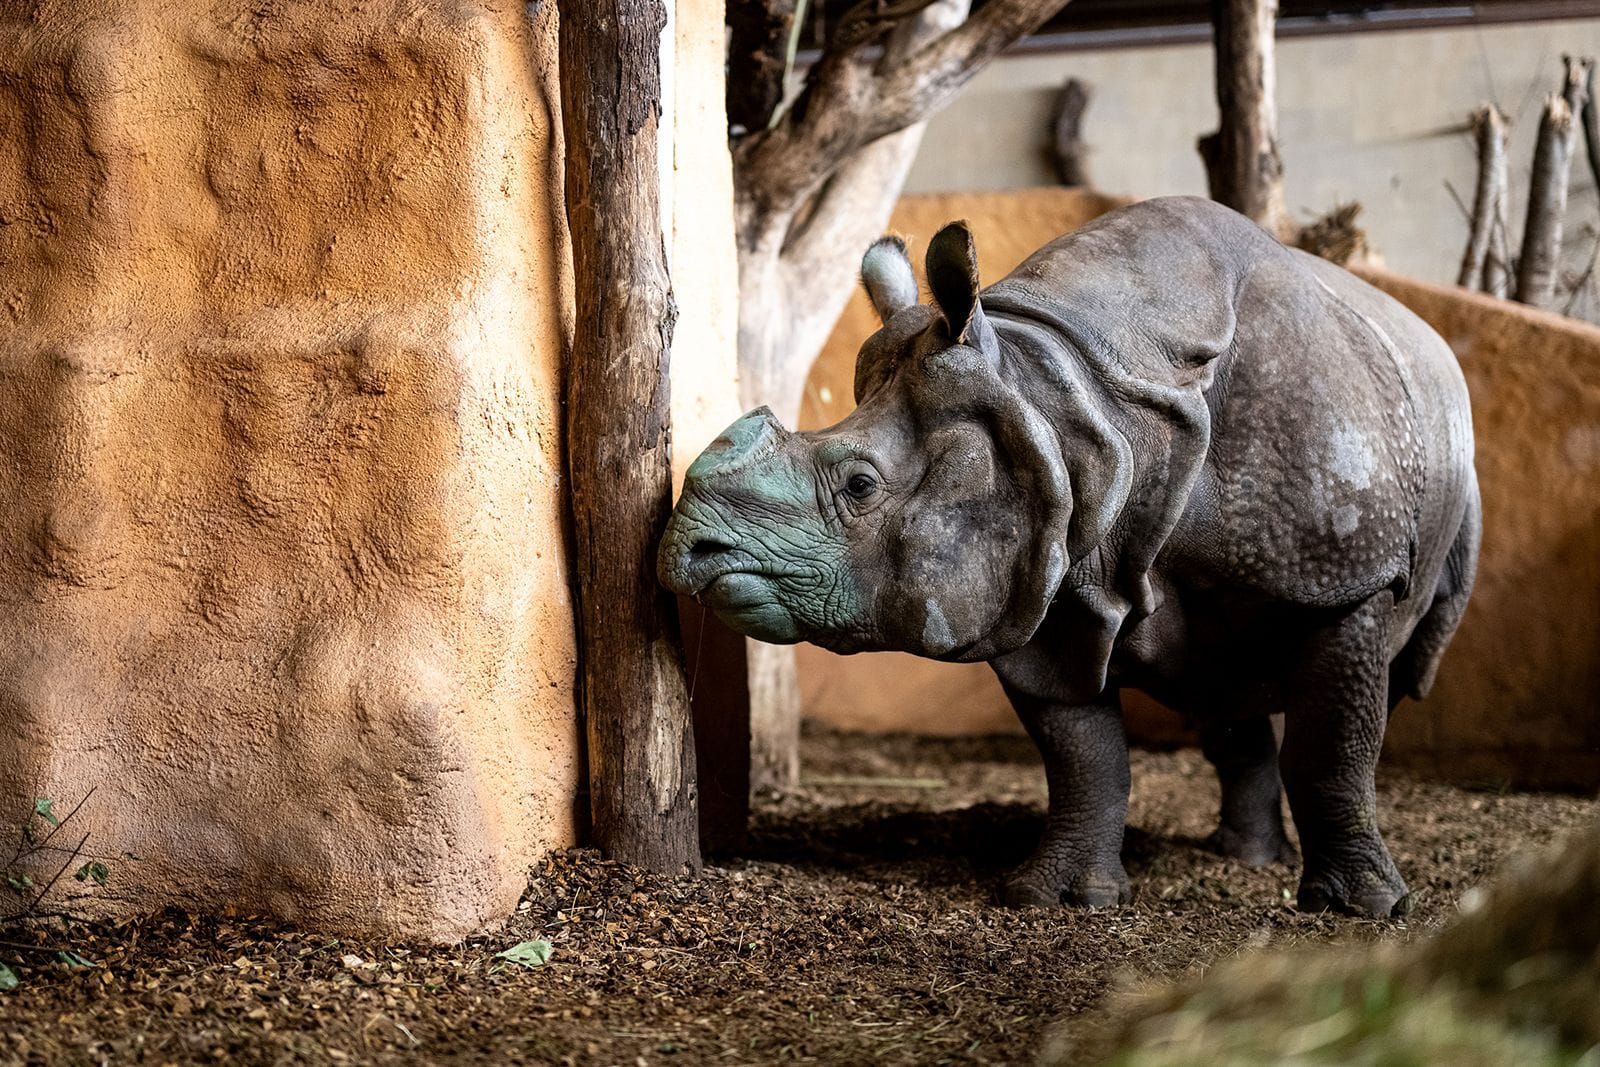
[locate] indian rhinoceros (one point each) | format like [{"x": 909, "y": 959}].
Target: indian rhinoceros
[{"x": 1165, "y": 453}]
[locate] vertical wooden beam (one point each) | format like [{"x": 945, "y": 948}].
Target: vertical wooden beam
[
  {"x": 1242, "y": 163},
  {"x": 1540, "y": 262},
  {"x": 642, "y": 785},
  {"x": 719, "y": 695}
]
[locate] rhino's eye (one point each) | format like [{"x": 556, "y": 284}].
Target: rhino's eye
[{"x": 861, "y": 486}]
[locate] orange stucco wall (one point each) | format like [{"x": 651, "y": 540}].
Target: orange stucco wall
[
  {"x": 1518, "y": 696},
  {"x": 282, "y": 554}
]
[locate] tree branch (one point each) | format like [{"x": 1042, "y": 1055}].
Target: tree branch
[
  {"x": 853, "y": 98},
  {"x": 759, "y": 32}
]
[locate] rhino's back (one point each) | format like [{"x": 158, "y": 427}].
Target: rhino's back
[{"x": 1339, "y": 459}]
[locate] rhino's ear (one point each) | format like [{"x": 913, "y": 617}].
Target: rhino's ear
[
  {"x": 952, "y": 266},
  {"x": 887, "y": 276}
]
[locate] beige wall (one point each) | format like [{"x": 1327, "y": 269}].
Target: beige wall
[
  {"x": 1518, "y": 696},
  {"x": 1370, "y": 117},
  {"x": 282, "y": 554},
  {"x": 705, "y": 272}
]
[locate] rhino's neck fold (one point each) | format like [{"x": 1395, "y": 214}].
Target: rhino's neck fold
[{"x": 1131, "y": 430}]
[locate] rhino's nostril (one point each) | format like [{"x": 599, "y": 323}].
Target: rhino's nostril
[{"x": 708, "y": 546}]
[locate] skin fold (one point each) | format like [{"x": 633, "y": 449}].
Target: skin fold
[{"x": 1165, "y": 453}]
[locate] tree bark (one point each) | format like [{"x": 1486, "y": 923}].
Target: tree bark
[
  {"x": 631, "y": 681},
  {"x": 1489, "y": 131},
  {"x": 797, "y": 268},
  {"x": 812, "y": 190},
  {"x": 1243, "y": 167}
]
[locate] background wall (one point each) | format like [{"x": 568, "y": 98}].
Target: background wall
[{"x": 1375, "y": 117}]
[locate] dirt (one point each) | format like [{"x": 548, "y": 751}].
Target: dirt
[{"x": 858, "y": 925}]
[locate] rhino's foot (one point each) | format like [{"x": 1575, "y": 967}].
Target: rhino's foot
[
  {"x": 1369, "y": 892},
  {"x": 1035, "y": 888},
  {"x": 1253, "y": 849}
]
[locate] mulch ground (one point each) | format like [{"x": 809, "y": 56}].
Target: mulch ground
[{"x": 859, "y": 926}]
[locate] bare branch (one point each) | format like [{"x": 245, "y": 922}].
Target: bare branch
[{"x": 852, "y": 97}]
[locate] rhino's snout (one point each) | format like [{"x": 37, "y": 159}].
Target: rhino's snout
[
  {"x": 700, "y": 545},
  {"x": 693, "y": 557}
]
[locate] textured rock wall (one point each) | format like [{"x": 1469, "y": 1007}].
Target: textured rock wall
[
  {"x": 281, "y": 550},
  {"x": 1518, "y": 695}
]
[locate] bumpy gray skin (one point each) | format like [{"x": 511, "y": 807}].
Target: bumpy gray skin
[{"x": 1165, "y": 453}]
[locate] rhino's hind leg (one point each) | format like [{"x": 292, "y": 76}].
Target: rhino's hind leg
[
  {"x": 1333, "y": 730},
  {"x": 1079, "y": 859},
  {"x": 1244, "y": 752}
]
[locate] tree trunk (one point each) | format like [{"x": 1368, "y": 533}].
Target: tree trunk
[
  {"x": 631, "y": 682},
  {"x": 1489, "y": 131},
  {"x": 1243, "y": 168},
  {"x": 797, "y": 269}
]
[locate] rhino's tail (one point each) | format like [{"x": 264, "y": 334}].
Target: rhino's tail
[{"x": 1412, "y": 671}]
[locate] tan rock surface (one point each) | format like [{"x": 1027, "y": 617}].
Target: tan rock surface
[
  {"x": 1518, "y": 696},
  {"x": 281, "y": 460}
]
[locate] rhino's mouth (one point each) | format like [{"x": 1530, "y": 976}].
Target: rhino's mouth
[{"x": 747, "y": 601}]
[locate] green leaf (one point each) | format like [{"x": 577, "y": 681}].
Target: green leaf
[
  {"x": 527, "y": 954},
  {"x": 98, "y": 871},
  {"x": 45, "y": 808},
  {"x": 73, "y": 960},
  {"x": 19, "y": 883},
  {"x": 8, "y": 979}
]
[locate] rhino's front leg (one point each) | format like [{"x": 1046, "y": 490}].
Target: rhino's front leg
[{"x": 1079, "y": 860}]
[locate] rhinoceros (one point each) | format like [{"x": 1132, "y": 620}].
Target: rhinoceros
[{"x": 1166, "y": 453}]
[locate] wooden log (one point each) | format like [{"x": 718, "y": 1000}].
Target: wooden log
[
  {"x": 1243, "y": 168},
  {"x": 1489, "y": 132},
  {"x": 1591, "y": 125},
  {"x": 719, "y": 695},
  {"x": 630, "y": 675},
  {"x": 1547, "y": 204},
  {"x": 1067, "y": 147}
]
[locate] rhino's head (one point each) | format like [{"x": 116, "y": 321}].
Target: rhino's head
[{"x": 934, "y": 519}]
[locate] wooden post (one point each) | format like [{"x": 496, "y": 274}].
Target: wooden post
[
  {"x": 1242, "y": 164},
  {"x": 1489, "y": 133},
  {"x": 1067, "y": 147},
  {"x": 1540, "y": 261},
  {"x": 719, "y": 694},
  {"x": 635, "y": 703}
]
